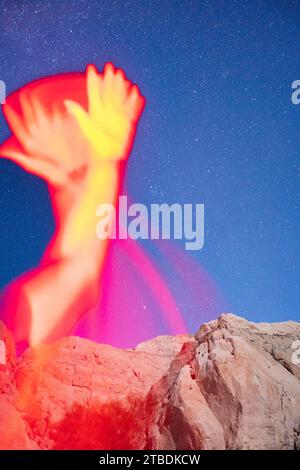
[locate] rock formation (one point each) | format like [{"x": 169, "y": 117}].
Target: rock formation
[{"x": 231, "y": 386}]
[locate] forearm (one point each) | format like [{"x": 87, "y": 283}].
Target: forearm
[
  {"x": 67, "y": 283},
  {"x": 46, "y": 303},
  {"x": 77, "y": 232}
]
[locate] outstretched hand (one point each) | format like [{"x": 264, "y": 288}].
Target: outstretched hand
[
  {"x": 114, "y": 107},
  {"x": 45, "y": 143},
  {"x": 63, "y": 142}
]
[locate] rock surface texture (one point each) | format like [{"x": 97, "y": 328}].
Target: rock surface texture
[{"x": 231, "y": 386}]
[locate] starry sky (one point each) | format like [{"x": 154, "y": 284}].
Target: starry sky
[{"x": 219, "y": 128}]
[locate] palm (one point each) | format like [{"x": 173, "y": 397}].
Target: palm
[{"x": 114, "y": 108}]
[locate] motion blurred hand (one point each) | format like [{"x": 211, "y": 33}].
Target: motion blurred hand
[
  {"x": 61, "y": 143},
  {"x": 114, "y": 106},
  {"x": 45, "y": 142}
]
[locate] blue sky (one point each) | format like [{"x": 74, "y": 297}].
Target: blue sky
[{"x": 219, "y": 128}]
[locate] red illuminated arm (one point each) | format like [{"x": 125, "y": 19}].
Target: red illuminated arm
[{"x": 66, "y": 284}]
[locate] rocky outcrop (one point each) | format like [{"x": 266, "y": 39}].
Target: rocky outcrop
[
  {"x": 13, "y": 433},
  {"x": 231, "y": 386}
]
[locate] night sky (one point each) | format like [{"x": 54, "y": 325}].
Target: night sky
[{"x": 219, "y": 128}]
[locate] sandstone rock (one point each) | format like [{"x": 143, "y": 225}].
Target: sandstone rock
[
  {"x": 232, "y": 386},
  {"x": 256, "y": 399},
  {"x": 274, "y": 338}
]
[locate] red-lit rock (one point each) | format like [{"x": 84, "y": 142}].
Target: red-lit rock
[
  {"x": 13, "y": 432},
  {"x": 232, "y": 386}
]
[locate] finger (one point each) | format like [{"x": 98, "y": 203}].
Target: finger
[
  {"x": 78, "y": 113},
  {"x": 11, "y": 145},
  {"x": 121, "y": 88},
  {"x": 38, "y": 167},
  {"x": 20, "y": 131},
  {"x": 27, "y": 109},
  {"x": 83, "y": 120},
  {"x": 108, "y": 82},
  {"x": 58, "y": 148},
  {"x": 41, "y": 130},
  {"x": 41, "y": 114},
  {"x": 97, "y": 137},
  {"x": 15, "y": 123},
  {"x": 134, "y": 103},
  {"x": 94, "y": 83}
]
